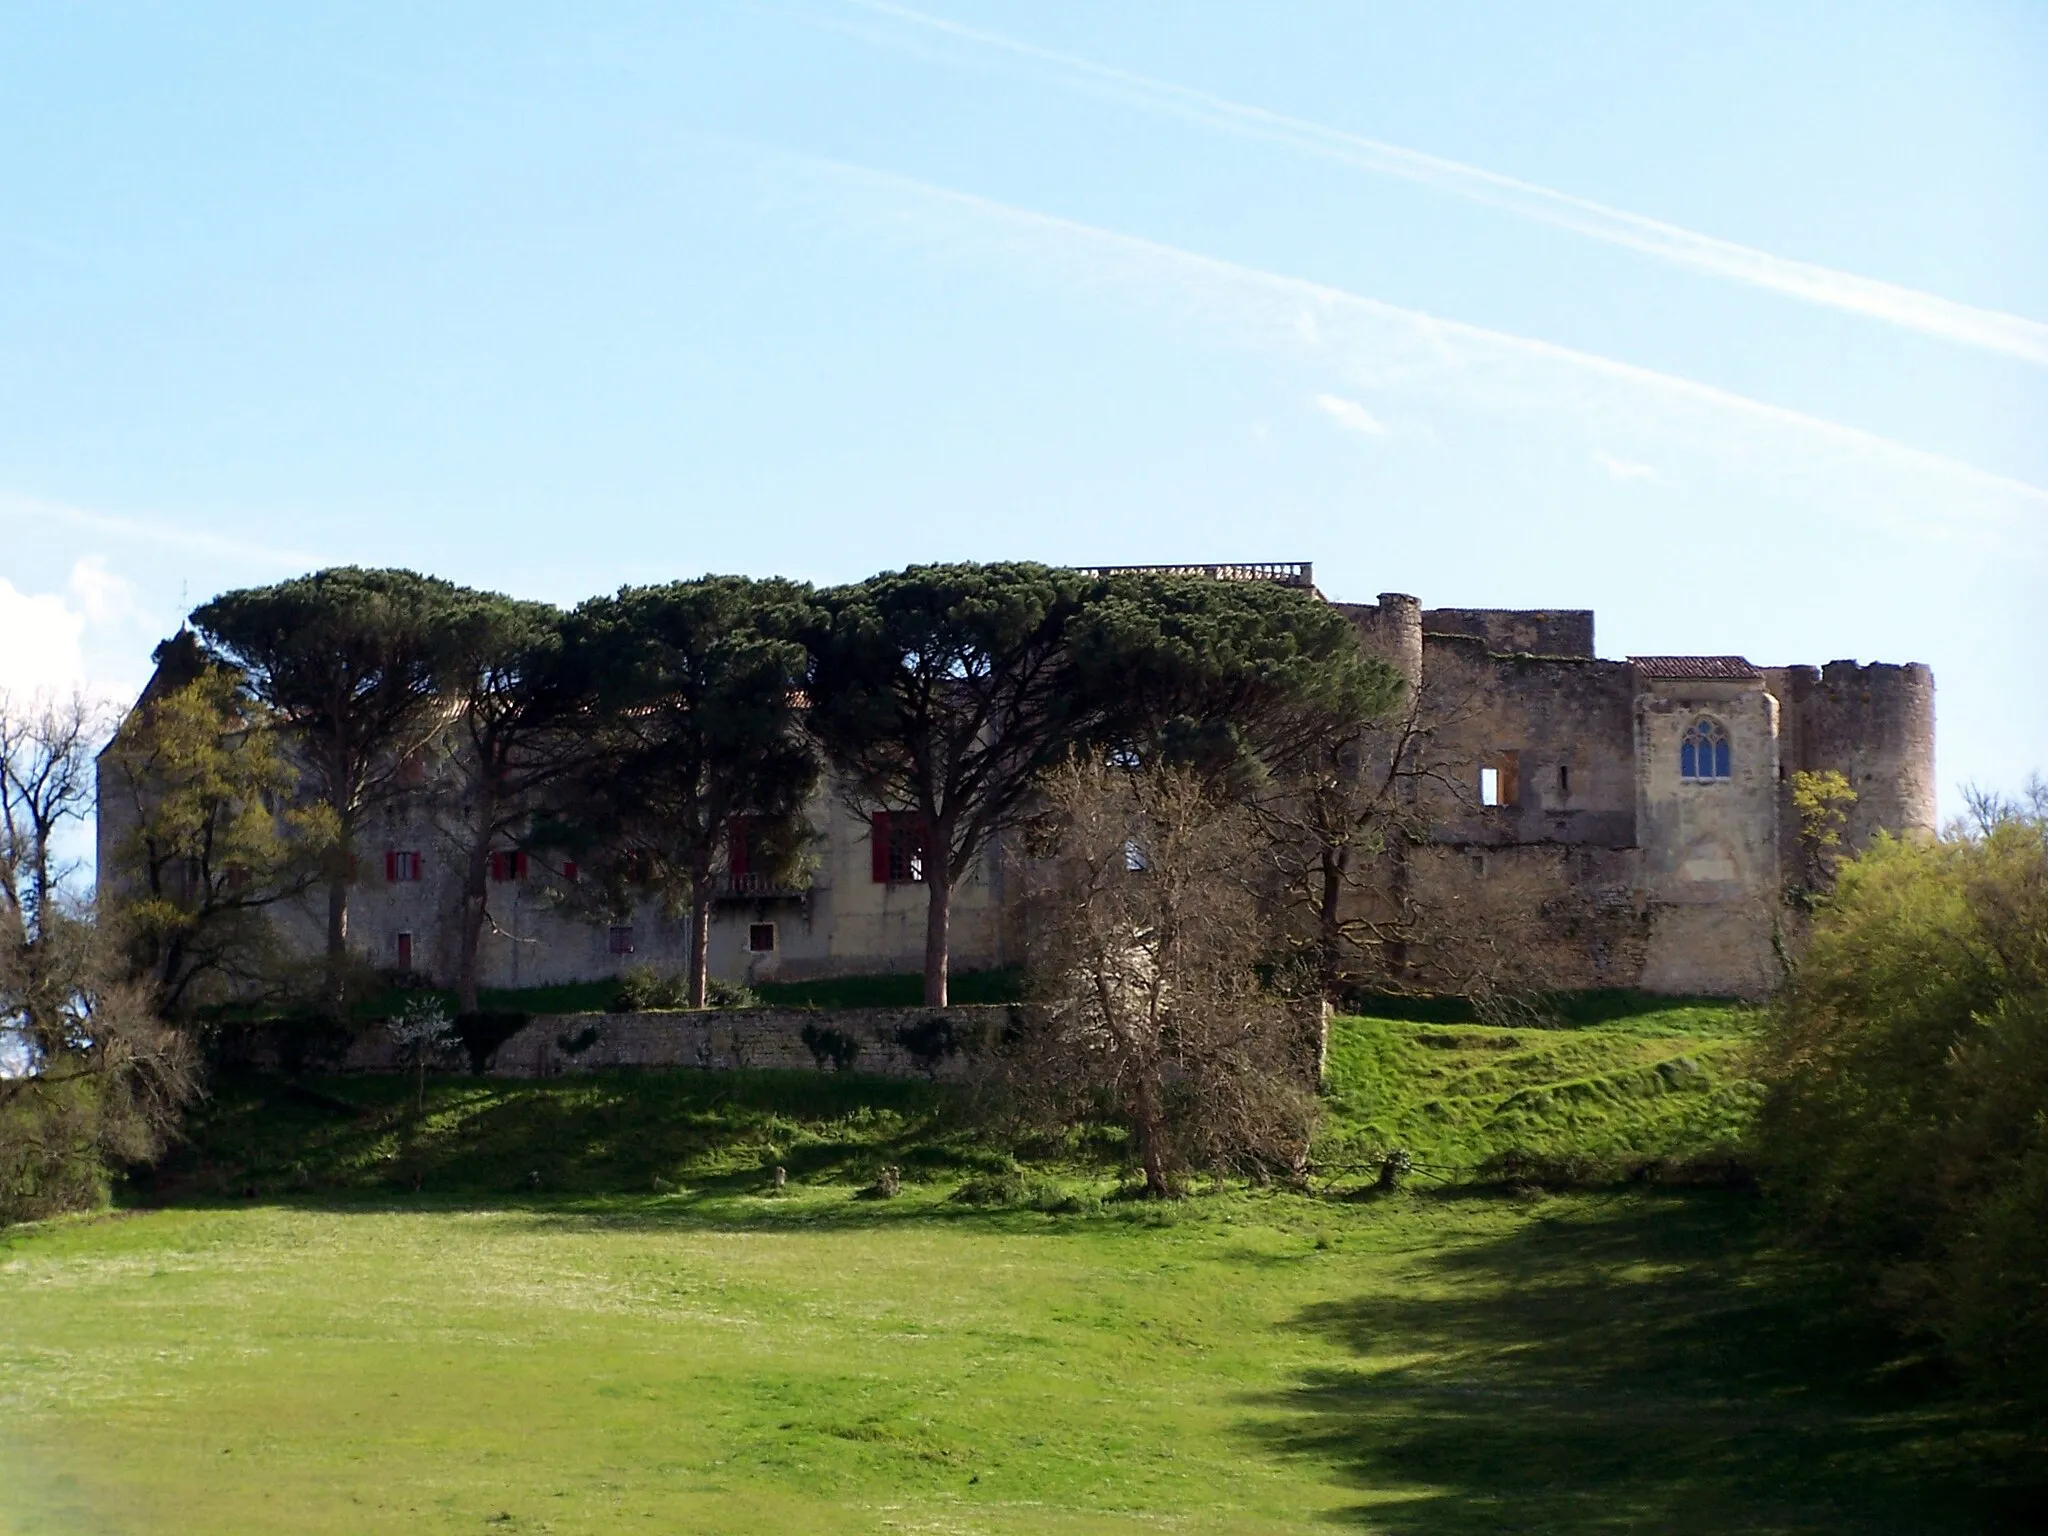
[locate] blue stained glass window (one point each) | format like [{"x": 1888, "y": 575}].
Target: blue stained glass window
[{"x": 1704, "y": 752}]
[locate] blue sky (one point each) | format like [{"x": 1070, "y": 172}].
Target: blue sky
[{"x": 1730, "y": 323}]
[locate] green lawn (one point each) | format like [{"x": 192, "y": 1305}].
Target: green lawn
[{"x": 594, "y": 1314}]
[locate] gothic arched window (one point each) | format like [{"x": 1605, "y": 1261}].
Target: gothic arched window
[{"x": 1704, "y": 752}]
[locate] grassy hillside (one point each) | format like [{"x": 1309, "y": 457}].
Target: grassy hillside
[
  {"x": 1603, "y": 1098},
  {"x": 1593, "y": 1101}
]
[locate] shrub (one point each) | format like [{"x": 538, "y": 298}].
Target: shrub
[
  {"x": 1014, "y": 1189},
  {"x": 730, "y": 994},
  {"x": 1908, "y": 1070}
]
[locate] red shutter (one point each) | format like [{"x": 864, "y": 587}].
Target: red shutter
[
  {"x": 418, "y": 864},
  {"x": 390, "y": 866},
  {"x": 519, "y": 865},
  {"x": 569, "y": 871},
  {"x": 736, "y": 846},
  {"x": 878, "y": 846}
]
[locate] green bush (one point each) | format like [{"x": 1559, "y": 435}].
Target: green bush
[
  {"x": 1907, "y": 1112},
  {"x": 1015, "y": 1189}
]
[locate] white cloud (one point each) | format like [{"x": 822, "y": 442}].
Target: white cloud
[
  {"x": 100, "y": 593},
  {"x": 1889, "y": 303},
  {"x": 1624, "y": 469},
  {"x": 41, "y": 639},
  {"x": 1351, "y": 416}
]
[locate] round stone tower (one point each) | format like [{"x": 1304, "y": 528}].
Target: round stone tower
[{"x": 1873, "y": 724}]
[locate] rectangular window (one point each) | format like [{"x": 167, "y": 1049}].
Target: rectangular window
[
  {"x": 761, "y": 938},
  {"x": 405, "y": 951},
  {"x": 569, "y": 871},
  {"x": 1499, "y": 780},
  {"x": 1564, "y": 781},
  {"x": 1479, "y": 864},
  {"x": 508, "y": 866},
  {"x": 401, "y": 866},
  {"x": 897, "y": 846},
  {"x": 622, "y": 938}
]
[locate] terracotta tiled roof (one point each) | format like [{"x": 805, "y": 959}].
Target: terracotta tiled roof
[{"x": 1731, "y": 667}]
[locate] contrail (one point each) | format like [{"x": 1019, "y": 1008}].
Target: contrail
[
  {"x": 1993, "y": 330},
  {"x": 1408, "y": 353}
]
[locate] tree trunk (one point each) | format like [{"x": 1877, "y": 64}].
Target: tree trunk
[
  {"x": 1330, "y": 915},
  {"x": 337, "y": 937},
  {"x": 1150, "y": 1136},
  {"x": 700, "y": 939},
  {"x": 938, "y": 917},
  {"x": 475, "y": 906}
]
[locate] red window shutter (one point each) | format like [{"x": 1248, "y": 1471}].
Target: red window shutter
[
  {"x": 418, "y": 864},
  {"x": 519, "y": 865},
  {"x": 878, "y": 846},
  {"x": 390, "y": 865},
  {"x": 736, "y": 846},
  {"x": 569, "y": 871}
]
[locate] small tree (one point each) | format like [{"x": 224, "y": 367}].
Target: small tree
[
  {"x": 213, "y": 836},
  {"x": 422, "y": 1032},
  {"x": 700, "y": 749},
  {"x": 1821, "y": 801},
  {"x": 1148, "y": 1006},
  {"x": 95, "y": 1078},
  {"x": 351, "y": 662}
]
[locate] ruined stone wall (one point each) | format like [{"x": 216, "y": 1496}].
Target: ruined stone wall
[
  {"x": 888, "y": 1042},
  {"x": 1507, "y": 631},
  {"x": 1873, "y": 724},
  {"x": 1559, "y": 732}
]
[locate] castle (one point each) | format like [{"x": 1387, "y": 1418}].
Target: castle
[{"x": 1639, "y": 812}]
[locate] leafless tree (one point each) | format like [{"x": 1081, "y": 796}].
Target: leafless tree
[
  {"x": 1353, "y": 823},
  {"x": 1145, "y": 941},
  {"x": 90, "y": 1076}
]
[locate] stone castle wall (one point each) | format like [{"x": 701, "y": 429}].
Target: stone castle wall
[{"x": 939, "y": 1043}]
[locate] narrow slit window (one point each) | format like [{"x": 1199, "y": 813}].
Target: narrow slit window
[
  {"x": 1489, "y": 786},
  {"x": 1564, "y": 781}
]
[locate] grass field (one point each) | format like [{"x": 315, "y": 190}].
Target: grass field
[{"x": 653, "y": 1339}]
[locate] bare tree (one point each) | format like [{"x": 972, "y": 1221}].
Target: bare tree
[
  {"x": 1145, "y": 943},
  {"x": 1353, "y": 822},
  {"x": 91, "y": 1076}
]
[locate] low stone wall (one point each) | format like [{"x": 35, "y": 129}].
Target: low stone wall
[{"x": 889, "y": 1042}]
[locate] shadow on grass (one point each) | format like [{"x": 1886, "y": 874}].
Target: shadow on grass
[{"x": 1649, "y": 1364}]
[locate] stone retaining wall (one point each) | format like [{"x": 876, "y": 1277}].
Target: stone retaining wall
[{"x": 888, "y": 1042}]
